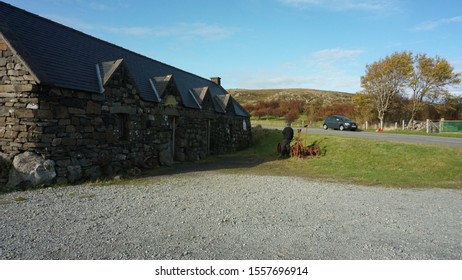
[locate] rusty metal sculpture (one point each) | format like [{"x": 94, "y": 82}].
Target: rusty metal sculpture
[{"x": 302, "y": 151}]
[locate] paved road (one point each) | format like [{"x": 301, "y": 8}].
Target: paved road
[{"x": 437, "y": 140}]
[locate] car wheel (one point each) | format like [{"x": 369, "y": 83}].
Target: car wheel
[
  {"x": 325, "y": 126},
  {"x": 341, "y": 128}
]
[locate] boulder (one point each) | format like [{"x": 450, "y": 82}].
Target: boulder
[{"x": 29, "y": 170}]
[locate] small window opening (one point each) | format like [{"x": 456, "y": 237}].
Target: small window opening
[{"x": 122, "y": 127}]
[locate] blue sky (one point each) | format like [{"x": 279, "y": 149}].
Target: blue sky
[{"x": 255, "y": 44}]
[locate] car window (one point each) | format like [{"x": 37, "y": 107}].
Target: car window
[{"x": 343, "y": 119}]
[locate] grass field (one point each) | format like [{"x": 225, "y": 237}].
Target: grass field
[{"x": 361, "y": 161}]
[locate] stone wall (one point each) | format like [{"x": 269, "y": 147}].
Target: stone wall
[
  {"x": 12, "y": 70},
  {"x": 91, "y": 135},
  {"x": 16, "y": 85}
]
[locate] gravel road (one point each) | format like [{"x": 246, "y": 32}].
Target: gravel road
[{"x": 214, "y": 215}]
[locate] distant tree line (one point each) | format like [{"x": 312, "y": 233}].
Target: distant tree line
[
  {"x": 361, "y": 108},
  {"x": 291, "y": 110},
  {"x": 399, "y": 87}
]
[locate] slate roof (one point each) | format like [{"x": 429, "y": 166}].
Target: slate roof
[{"x": 63, "y": 57}]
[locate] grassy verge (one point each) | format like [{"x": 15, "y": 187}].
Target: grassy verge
[
  {"x": 280, "y": 122},
  {"x": 420, "y": 132},
  {"x": 361, "y": 161}
]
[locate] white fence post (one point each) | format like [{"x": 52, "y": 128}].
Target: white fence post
[
  {"x": 428, "y": 126},
  {"x": 403, "y": 124}
]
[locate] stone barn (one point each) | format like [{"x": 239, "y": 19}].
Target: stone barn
[{"x": 84, "y": 108}]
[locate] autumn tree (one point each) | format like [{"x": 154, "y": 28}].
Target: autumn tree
[
  {"x": 282, "y": 109},
  {"x": 386, "y": 79},
  {"x": 339, "y": 109},
  {"x": 249, "y": 107},
  {"x": 364, "y": 107},
  {"x": 450, "y": 107},
  {"x": 292, "y": 115},
  {"x": 314, "y": 110},
  {"x": 297, "y": 104},
  {"x": 429, "y": 79},
  {"x": 260, "y": 112}
]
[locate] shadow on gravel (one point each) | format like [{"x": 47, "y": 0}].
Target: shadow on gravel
[{"x": 211, "y": 163}]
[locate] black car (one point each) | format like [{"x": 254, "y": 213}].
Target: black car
[{"x": 339, "y": 122}]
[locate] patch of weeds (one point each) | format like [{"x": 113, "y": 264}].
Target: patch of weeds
[
  {"x": 117, "y": 180},
  {"x": 4, "y": 202},
  {"x": 86, "y": 196},
  {"x": 20, "y": 198}
]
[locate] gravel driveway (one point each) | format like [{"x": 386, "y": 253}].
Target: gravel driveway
[{"x": 214, "y": 215}]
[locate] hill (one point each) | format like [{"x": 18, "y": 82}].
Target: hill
[{"x": 252, "y": 96}]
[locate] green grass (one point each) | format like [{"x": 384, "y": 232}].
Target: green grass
[
  {"x": 280, "y": 122},
  {"x": 20, "y": 198},
  {"x": 424, "y": 133},
  {"x": 86, "y": 196},
  {"x": 362, "y": 161}
]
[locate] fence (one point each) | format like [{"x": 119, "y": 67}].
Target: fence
[
  {"x": 450, "y": 126},
  {"x": 429, "y": 126}
]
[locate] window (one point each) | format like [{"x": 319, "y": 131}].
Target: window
[{"x": 121, "y": 128}]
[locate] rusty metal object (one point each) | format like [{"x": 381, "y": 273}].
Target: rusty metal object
[
  {"x": 298, "y": 150},
  {"x": 301, "y": 151}
]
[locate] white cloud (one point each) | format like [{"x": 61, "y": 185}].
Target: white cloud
[
  {"x": 181, "y": 31},
  {"x": 323, "y": 80},
  {"x": 99, "y": 6},
  {"x": 134, "y": 31},
  {"x": 377, "y": 6},
  {"x": 328, "y": 69},
  {"x": 431, "y": 25},
  {"x": 70, "y": 21},
  {"x": 203, "y": 30},
  {"x": 336, "y": 54}
]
